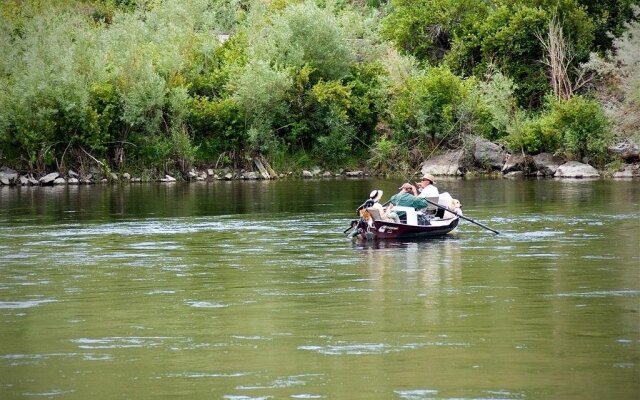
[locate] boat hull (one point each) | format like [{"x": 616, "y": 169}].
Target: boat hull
[{"x": 382, "y": 230}]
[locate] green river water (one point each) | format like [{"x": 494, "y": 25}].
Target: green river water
[{"x": 250, "y": 290}]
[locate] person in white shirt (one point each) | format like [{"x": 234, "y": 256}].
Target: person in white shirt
[{"x": 426, "y": 187}]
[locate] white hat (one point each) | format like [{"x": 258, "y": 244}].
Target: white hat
[
  {"x": 376, "y": 195},
  {"x": 429, "y": 177}
]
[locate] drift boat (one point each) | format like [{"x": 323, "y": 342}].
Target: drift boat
[{"x": 432, "y": 222}]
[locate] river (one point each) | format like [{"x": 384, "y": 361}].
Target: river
[{"x": 250, "y": 290}]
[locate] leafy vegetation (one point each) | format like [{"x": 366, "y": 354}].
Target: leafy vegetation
[{"x": 167, "y": 84}]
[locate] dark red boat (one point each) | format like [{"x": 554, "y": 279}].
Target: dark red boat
[{"x": 414, "y": 225}]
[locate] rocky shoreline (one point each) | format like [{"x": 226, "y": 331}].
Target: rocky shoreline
[{"x": 482, "y": 158}]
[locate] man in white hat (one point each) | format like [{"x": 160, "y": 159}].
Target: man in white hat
[{"x": 426, "y": 187}]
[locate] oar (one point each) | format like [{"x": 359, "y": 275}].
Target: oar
[{"x": 462, "y": 216}]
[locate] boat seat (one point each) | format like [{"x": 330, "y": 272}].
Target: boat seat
[
  {"x": 375, "y": 214},
  {"x": 430, "y": 208},
  {"x": 412, "y": 216}
]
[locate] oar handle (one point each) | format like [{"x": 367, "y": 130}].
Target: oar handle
[{"x": 462, "y": 216}]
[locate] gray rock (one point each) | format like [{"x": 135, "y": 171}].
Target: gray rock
[
  {"x": 126, "y": 176},
  {"x": 168, "y": 179},
  {"x": 210, "y": 172},
  {"x": 228, "y": 176},
  {"x": 32, "y": 180},
  {"x": 316, "y": 171},
  {"x": 629, "y": 171},
  {"x": 488, "y": 155},
  {"x": 547, "y": 164},
  {"x": 327, "y": 174},
  {"x": 627, "y": 149},
  {"x": 8, "y": 176},
  {"x": 516, "y": 162},
  {"x": 49, "y": 178},
  {"x": 575, "y": 169},
  {"x": 251, "y": 175},
  {"x": 451, "y": 163},
  {"x": 114, "y": 176},
  {"x": 354, "y": 174},
  {"x": 73, "y": 174},
  {"x": 59, "y": 181},
  {"x": 24, "y": 180},
  {"x": 307, "y": 174},
  {"x": 73, "y": 181},
  {"x": 514, "y": 174},
  {"x": 136, "y": 180}
]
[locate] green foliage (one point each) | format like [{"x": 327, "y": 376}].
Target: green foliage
[
  {"x": 427, "y": 108},
  {"x": 386, "y": 155},
  {"x": 217, "y": 126},
  {"x": 175, "y": 82},
  {"x": 583, "y": 127},
  {"x": 427, "y": 28},
  {"x": 576, "y": 127},
  {"x": 303, "y": 34},
  {"x": 498, "y": 95}
]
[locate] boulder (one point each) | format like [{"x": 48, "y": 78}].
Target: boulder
[
  {"x": 547, "y": 164},
  {"x": 488, "y": 155},
  {"x": 126, "y": 176},
  {"x": 627, "y": 149},
  {"x": 451, "y": 163},
  {"x": 629, "y": 171},
  {"x": 355, "y": 174},
  {"x": 327, "y": 174},
  {"x": 114, "y": 177},
  {"x": 251, "y": 176},
  {"x": 307, "y": 174},
  {"x": 517, "y": 162},
  {"x": 73, "y": 181},
  {"x": 24, "y": 180},
  {"x": 228, "y": 176},
  {"x": 514, "y": 174},
  {"x": 168, "y": 179},
  {"x": 59, "y": 181},
  {"x": 49, "y": 178},
  {"x": 210, "y": 172},
  {"x": 73, "y": 174},
  {"x": 8, "y": 176},
  {"x": 575, "y": 169}
]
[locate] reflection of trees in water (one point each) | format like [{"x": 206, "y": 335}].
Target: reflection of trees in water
[{"x": 410, "y": 270}]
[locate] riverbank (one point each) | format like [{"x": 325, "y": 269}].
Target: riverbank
[
  {"x": 481, "y": 159},
  {"x": 570, "y": 169}
]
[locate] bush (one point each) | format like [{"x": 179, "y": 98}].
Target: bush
[
  {"x": 583, "y": 128},
  {"x": 577, "y": 127}
]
